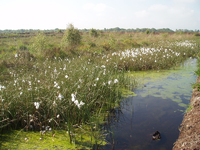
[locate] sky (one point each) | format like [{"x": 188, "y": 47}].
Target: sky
[{"x": 99, "y": 14}]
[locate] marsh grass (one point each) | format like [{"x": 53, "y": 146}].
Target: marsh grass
[{"x": 58, "y": 94}]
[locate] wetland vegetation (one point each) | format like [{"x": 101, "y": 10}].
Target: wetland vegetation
[{"x": 63, "y": 85}]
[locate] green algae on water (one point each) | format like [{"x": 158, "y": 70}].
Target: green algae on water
[
  {"x": 174, "y": 84},
  {"x": 127, "y": 93},
  {"x": 58, "y": 140}
]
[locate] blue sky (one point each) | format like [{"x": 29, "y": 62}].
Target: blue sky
[{"x": 100, "y": 14}]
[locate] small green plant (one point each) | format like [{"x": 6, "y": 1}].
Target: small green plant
[
  {"x": 189, "y": 107},
  {"x": 196, "y": 85},
  {"x": 71, "y": 38}
]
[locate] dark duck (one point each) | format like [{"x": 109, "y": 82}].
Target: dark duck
[{"x": 156, "y": 136}]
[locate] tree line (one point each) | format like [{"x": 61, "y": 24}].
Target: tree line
[{"x": 116, "y": 29}]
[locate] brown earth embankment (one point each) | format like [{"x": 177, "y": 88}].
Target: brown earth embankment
[{"x": 189, "y": 137}]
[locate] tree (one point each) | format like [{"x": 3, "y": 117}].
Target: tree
[
  {"x": 147, "y": 31},
  {"x": 93, "y": 33},
  {"x": 71, "y": 37},
  {"x": 39, "y": 44}
]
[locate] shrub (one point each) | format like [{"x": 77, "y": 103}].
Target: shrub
[
  {"x": 12, "y": 48},
  {"x": 25, "y": 55},
  {"x": 147, "y": 31},
  {"x": 39, "y": 44},
  {"x": 164, "y": 35},
  {"x": 196, "y": 34},
  {"x": 92, "y": 44},
  {"x": 106, "y": 46},
  {"x": 55, "y": 52},
  {"x": 22, "y": 47},
  {"x": 93, "y": 33},
  {"x": 59, "y": 31},
  {"x": 71, "y": 38}
]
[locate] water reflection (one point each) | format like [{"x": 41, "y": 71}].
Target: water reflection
[{"x": 155, "y": 108}]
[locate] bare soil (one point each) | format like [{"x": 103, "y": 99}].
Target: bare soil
[{"x": 189, "y": 137}]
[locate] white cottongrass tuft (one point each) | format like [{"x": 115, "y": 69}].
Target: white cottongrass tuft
[
  {"x": 60, "y": 96},
  {"x": 73, "y": 97},
  {"x": 2, "y": 87},
  {"x": 37, "y": 105},
  {"x": 115, "y": 81},
  {"x": 66, "y": 76},
  {"x": 80, "y": 104},
  {"x": 55, "y": 84},
  {"x": 76, "y": 101}
]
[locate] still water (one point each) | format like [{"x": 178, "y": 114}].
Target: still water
[{"x": 158, "y": 105}]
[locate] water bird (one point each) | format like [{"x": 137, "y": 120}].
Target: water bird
[{"x": 156, "y": 136}]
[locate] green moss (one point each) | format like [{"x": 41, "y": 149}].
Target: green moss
[{"x": 57, "y": 140}]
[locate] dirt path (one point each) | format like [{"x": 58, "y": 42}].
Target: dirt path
[{"x": 189, "y": 137}]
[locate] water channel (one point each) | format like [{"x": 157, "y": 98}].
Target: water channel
[{"x": 158, "y": 105}]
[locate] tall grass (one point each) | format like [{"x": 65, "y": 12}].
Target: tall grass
[{"x": 57, "y": 93}]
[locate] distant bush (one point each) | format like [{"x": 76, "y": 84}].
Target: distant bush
[
  {"x": 25, "y": 55},
  {"x": 71, "y": 38},
  {"x": 39, "y": 44},
  {"x": 55, "y": 52},
  {"x": 12, "y": 48},
  {"x": 164, "y": 35},
  {"x": 93, "y": 33},
  {"x": 59, "y": 31},
  {"x": 22, "y": 47},
  {"x": 180, "y": 32},
  {"x": 196, "y": 34},
  {"x": 92, "y": 44},
  {"x": 147, "y": 31},
  {"x": 106, "y": 46}
]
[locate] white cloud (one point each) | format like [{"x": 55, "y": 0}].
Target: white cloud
[
  {"x": 185, "y": 1},
  {"x": 181, "y": 12},
  {"x": 157, "y": 7},
  {"x": 166, "y": 16},
  {"x": 97, "y": 7},
  {"x": 141, "y": 14}
]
